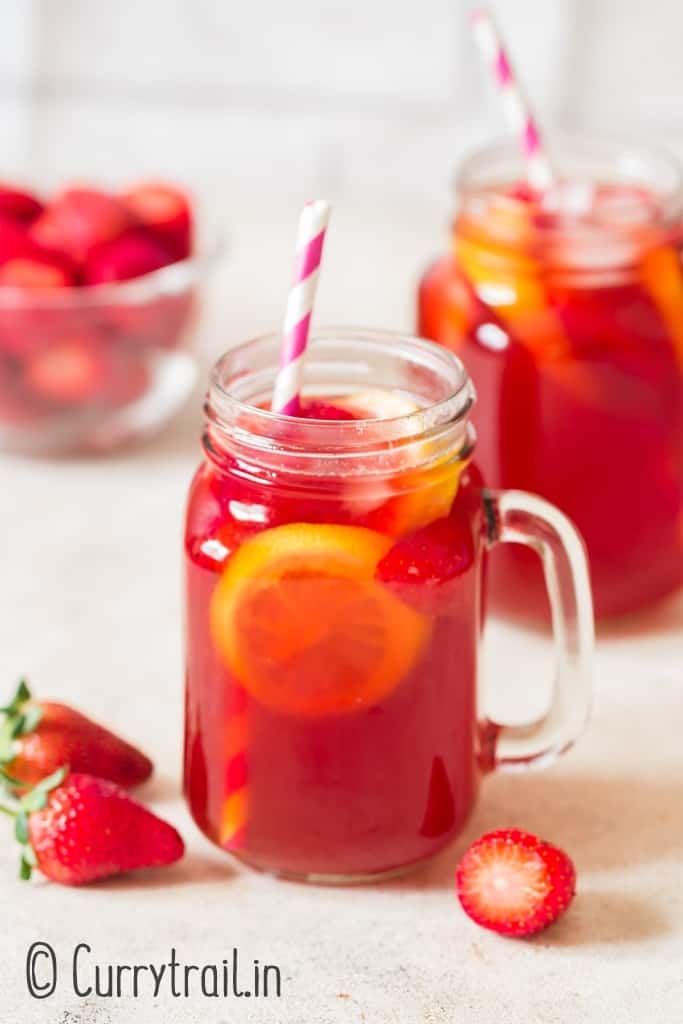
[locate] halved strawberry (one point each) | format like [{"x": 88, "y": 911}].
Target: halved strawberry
[
  {"x": 424, "y": 567},
  {"x": 71, "y": 370},
  {"x": 19, "y": 205},
  {"x": 79, "y": 219},
  {"x": 76, "y": 828},
  {"x": 166, "y": 211},
  {"x": 514, "y": 883},
  {"x": 132, "y": 254}
]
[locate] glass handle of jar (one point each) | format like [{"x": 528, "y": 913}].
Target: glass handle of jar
[{"x": 520, "y": 518}]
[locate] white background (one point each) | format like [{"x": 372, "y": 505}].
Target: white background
[{"x": 345, "y": 97}]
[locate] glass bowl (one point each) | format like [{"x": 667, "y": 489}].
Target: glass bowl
[{"x": 93, "y": 367}]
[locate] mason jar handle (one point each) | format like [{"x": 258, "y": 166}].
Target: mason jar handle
[{"x": 520, "y": 518}]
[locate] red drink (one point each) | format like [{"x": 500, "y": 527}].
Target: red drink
[
  {"x": 334, "y": 613},
  {"x": 569, "y": 316}
]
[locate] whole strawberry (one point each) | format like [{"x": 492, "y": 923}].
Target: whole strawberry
[
  {"x": 515, "y": 883},
  {"x": 76, "y": 828},
  {"x": 36, "y": 737}
]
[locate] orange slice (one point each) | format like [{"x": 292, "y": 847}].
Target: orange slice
[
  {"x": 662, "y": 276},
  {"x": 299, "y": 619},
  {"x": 514, "y": 289},
  {"x": 413, "y": 497}
]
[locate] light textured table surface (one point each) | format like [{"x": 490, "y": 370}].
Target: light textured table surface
[{"x": 90, "y": 611}]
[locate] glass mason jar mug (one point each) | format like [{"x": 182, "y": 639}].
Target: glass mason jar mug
[
  {"x": 334, "y": 577},
  {"x": 568, "y": 311}
]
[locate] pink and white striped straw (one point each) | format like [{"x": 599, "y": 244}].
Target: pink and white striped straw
[
  {"x": 313, "y": 223},
  {"x": 517, "y": 110}
]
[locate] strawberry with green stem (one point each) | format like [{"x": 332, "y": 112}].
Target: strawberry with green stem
[
  {"x": 76, "y": 828},
  {"x": 37, "y": 737}
]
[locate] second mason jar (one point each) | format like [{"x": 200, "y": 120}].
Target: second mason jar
[{"x": 568, "y": 311}]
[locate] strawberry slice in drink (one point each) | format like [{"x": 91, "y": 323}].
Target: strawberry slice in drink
[
  {"x": 317, "y": 409},
  {"x": 424, "y": 567}
]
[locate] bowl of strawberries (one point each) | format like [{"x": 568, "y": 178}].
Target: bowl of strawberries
[{"x": 98, "y": 300}]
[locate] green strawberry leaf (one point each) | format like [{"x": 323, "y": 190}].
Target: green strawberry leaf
[
  {"x": 51, "y": 782},
  {"x": 37, "y": 798},
  {"x": 20, "y": 719},
  {"x": 21, "y": 696},
  {"x": 8, "y": 780},
  {"x": 25, "y": 868},
  {"x": 9, "y": 747},
  {"x": 33, "y": 801},
  {"x": 31, "y": 719},
  {"x": 21, "y": 828},
  {"x": 15, "y": 726}
]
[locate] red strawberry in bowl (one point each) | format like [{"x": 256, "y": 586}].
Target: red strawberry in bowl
[
  {"x": 35, "y": 270},
  {"x": 425, "y": 567},
  {"x": 19, "y": 205},
  {"x": 514, "y": 883},
  {"x": 14, "y": 239},
  {"x": 79, "y": 219},
  {"x": 166, "y": 212},
  {"x": 86, "y": 320},
  {"x": 71, "y": 370},
  {"x": 132, "y": 254},
  {"x": 37, "y": 737},
  {"x": 76, "y": 828},
  {"x": 157, "y": 320}
]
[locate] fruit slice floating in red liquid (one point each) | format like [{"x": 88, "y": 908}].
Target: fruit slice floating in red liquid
[
  {"x": 662, "y": 275},
  {"x": 302, "y": 624},
  {"x": 318, "y": 409},
  {"x": 423, "y": 568}
]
